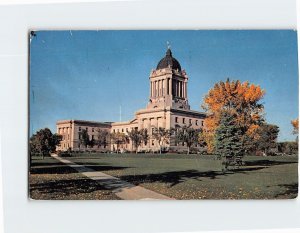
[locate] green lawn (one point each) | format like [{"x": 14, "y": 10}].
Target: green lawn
[{"x": 191, "y": 176}]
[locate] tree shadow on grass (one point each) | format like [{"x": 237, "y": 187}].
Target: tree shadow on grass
[
  {"x": 291, "y": 190},
  {"x": 173, "y": 178},
  {"x": 52, "y": 169},
  {"x": 176, "y": 177},
  {"x": 66, "y": 187},
  {"x": 267, "y": 163},
  {"x": 65, "y": 169}
]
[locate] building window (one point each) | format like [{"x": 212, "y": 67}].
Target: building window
[
  {"x": 79, "y": 129},
  {"x": 93, "y": 130},
  {"x": 118, "y": 130},
  {"x": 92, "y": 137},
  {"x": 182, "y": 143},
  {"x": 183, "y": 120},
  {"x": 86, "y": 128},
  {"x": 114, "y": 130},
  {"x": 126, "y": 129},
  {"x": 152, "y": 130},
  {"x": 152, "y": 142},
  {"x": 196, "y": 122},
  {"x": 122, "y": 130},
  {"x": 176, "y": 119},
  {"x": 202, "y": 123},
  {"x": 79, "y": 136},
  {"x": 190, "y": 121}
]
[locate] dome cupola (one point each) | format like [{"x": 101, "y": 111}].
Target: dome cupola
[{"x": 168, "y": 62}]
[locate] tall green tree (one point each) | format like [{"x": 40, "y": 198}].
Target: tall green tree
[
  {"x": 228, "y": 140},
  {"x": 136, "y": 138},
  {"x": 162, "y": 135},
  {"x": 43, "y": 142},
  {"x": 188, "y": 135}
]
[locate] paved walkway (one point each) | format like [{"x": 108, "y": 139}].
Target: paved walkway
[{"x": 122, "y": 189}]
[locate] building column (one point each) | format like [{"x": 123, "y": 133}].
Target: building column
[
  {"x": 159, "y": 83},
  {"x": 72, "y": 135},
  {"x": 185, "y": 89},
  {"x": 152, "y": 89},
  {"x": 180, "y": 89}
]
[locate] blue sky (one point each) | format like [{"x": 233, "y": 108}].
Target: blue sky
[{"x": 88, "y": 75}]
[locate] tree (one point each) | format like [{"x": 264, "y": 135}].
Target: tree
[
  {"x": 228, "y": 144},
  {"x": 162, "y": 135},
  {"x": 44, "y": 142},
  {"x": 102, "y": 138},
  {"x": 242, "y": 100},
  {"x": 288, "y": 147},
  {"x": 188, "y": 135},
  {"x": 145, "y": 136},
  {"x": 267, "y": 136},
  {"x": 84, "y": 138},
  {"x": 295, "y": 124},
  {"x": 136, "y": 138},
  {"x": 118, "y": 139}
]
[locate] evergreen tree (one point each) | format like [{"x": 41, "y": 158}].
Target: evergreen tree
[{"x": 228, "y": 141}]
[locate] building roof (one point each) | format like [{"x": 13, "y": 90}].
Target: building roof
[
  {"x": 85, "y": 123},
  {"x": 168, "y": 62}
]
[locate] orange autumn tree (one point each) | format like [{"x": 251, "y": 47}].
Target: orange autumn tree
[
  {"x": 242, "y": 100},
  {"x": 295, "y": 124}
]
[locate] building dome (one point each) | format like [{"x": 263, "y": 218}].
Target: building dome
[{"x": 168, "y": 62}]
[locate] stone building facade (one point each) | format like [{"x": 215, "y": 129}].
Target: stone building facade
[
  {"x": 167, "y": 107},
  {"x": 71, "y": 132}
]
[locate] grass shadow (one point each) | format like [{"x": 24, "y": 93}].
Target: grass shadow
[
  {"x": 267, "y": 163},
  {"x": 176, "y": 177},
  {"x": 65, "y": 169},
  {"x": 291, "y": 190},
  {"x": 67, "y": 187}
]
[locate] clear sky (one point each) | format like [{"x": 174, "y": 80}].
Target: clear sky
[{"x": 88, "y": 75}]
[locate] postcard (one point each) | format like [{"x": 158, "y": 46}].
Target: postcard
[{"x": 163, "y": 114}]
